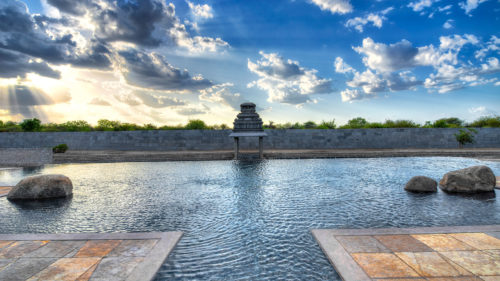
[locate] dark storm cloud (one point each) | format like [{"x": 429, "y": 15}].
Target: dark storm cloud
[
  {"x": 134, "y": 21},
  {"x": 97, "y": 56},
  {"x": 154, "y": 72},
  {"x": 71, "y": 6},
  {"x": 14, "y": 64}
]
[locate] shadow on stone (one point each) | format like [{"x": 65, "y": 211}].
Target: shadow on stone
[
  {"x": 482, "y": 196},
  {"x": 49, "y": 203}
]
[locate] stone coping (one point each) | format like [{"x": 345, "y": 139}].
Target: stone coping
[
  {"x": 88, "y": 256},
  {"x": 451, "y": 253}
]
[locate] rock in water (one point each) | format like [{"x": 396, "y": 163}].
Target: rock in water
[
  {"x": 469, "y": 180},
  {"x": 42, "y": 187},
  {"x": 421, "y": 184}
]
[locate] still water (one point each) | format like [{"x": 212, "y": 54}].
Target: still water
[{"x": 247, "y": 220}]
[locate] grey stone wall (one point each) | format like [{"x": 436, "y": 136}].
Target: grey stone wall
[
  {"x": 25, "y": 156},
  {"x": 277, "y": 139}
]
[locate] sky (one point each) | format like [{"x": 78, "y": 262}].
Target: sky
[{"x": 167, "y": 62}]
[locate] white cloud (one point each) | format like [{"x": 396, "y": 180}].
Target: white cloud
[
  {"x": 479, "y": 109},
  {"x": 334, "y": 6},
  {"x": 448, "y": 24},
  {"x": 497, "y": 83},
  {"x": 420, "y": 5},
  {"x": 99, "y": 101},
  {"x": 286, "y": 81},
  {"x": 350, "y": 95},
  {"x": 375, "y": 18},
  {"x": 201, "y": 11},
  {"x": 492, "y": 46},
  {"x": 470, "y": 5},
  {"x": 342, "y": 67},
  {"x": 222, "y": 94},
  {"x": 445, "y": 8},
  {"x": 387, "y": 58}
]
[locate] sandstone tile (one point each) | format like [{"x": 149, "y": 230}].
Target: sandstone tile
[
  {"x": 22, "y": 269},
  {"x": 490, "y": 278},
  {"x": 479, "y": 241},
  {"x": 442, "y": 242},
  {"x": 115, "y": 268},
  {"x": 20, "y": 248},
  {"x": 402, "y": 243},
  {"x": 465, "y": 278},
  {"x": 97, "y": 248},
  {"x": 383, "y": 265},
  {"x": 55, "y": 249},
  {"x": 430, "y": 264},
  {"x": 133, "y": 248},
  {"x": 66, "y": 269},
  {"x": 86, "y": 276},
  {"x": 477, "y": 262},
  {"x": 399, "y": 279},
  {"x": 4, "y": 243},
  {"x": 494, "y": 253},
  {"x": 361, "y": 244}
]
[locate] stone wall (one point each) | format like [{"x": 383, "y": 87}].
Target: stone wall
[
  {"x": 277, "y": 139},
  {"x": 25, "y": 156}
]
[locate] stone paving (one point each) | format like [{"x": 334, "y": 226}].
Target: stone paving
[
  {"x": 82, "y": 257},
  {"x": 438, "y": 253}
]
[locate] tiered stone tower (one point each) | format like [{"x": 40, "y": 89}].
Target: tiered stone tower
[
  {"x": 247, "y": 124},
  {"x": 248, "y": 120}
]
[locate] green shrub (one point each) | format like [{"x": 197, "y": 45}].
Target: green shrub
[
  {"x": 400, "y": 124},
  {"x": 310, "y": 125},
  {"x": 196, "y": 124},
  {"x": 452, "y": 122},
  {"x": 327, "y": 125},
  {"x": 486, "y": 121},
  {"x": 355, "y": 123},
  {"x": 60, "y": 148},
  {"x": 465, "y": 136},
  {"x": 31, "y": 125}
]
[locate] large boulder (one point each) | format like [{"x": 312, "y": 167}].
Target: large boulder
[
  {"x": 421, "y": 184},
  {"x": 42, "y": 187},
  {"x": 469, "y": 180}
]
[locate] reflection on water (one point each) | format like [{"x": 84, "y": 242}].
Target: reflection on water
[{"x": 248, "y": 220}]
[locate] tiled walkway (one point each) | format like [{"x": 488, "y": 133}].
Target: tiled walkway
[
  {"x": 81, "y": 257},
  {"x": 438, "y": 254}
]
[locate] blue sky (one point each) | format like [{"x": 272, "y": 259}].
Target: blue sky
[{"x": 165, "y": 62}]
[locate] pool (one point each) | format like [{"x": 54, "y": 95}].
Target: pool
[{"x": 248, "y": 220}]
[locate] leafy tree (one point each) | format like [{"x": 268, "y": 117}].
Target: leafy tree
[
  {"x": 31, "y": 125},
  {"x": 327, "y": 125},
  {"x": 76, "y": 126},
  {"x": 465, "y": 136},
  {"x": 452, "y": 122},
  {"x": 107, "y": 125},
  {"x": 356, "y": 123},
  {"x": 401, "y": 124},
  {"x": 196, "y": 124},
  {"x": 486, "y": 121},
  {"x": 310, "y": 125}
]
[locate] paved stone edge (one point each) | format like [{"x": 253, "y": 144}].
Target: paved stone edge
[
  {"x": 149, "y": 267},
  {"x": 413, "y": 230},
  {"x": 84, "y": 236},
  {"x": 343, "y": 263}
]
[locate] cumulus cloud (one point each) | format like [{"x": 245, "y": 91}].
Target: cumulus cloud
[
  {"x": 188, "y": 111},
  {"x": 342, "y": 67},
  {"x": 15, "y": 65},
  {"x": 470, "y": 5},
  {"x": 448, "y": 24},
  {"x": 151, "y": 70},
  {"x": 334, "y": 6},
  {"x": 420, "y": 5},
  {"x": 493, "y": 45},
  {"x": 201, "y": 11},
  {"x": 222, "y": 94},
  {"x": 387, "y": 58},
  {"x": 286, "y": 81},
  {"x": 99, "y": 101},
  {"x": 376, "y": 19}
]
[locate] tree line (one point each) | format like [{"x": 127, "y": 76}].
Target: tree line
[{"x": 35, "y": 125}]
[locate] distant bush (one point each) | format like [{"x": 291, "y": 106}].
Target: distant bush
[
  {"x": 196, "y": 124},
  {"x": 356, "y": 123},
  {"x": 487, "y": 121},
  {"x": 310, "y": 125},
  {"x": 327, "y": 125},
  {"x": 31, "y": 125},
  {"x": 60, "y": 148},
  {"x": 400, "y": 124}
]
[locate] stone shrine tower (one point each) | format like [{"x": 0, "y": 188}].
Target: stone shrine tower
[{"x": 247, "y": 124}]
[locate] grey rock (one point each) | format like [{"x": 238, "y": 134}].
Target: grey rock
[
  {"x": 421, "y": 184},
  {"x": 469, "y": 180},
  {"x": 42, "y": 187}
]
